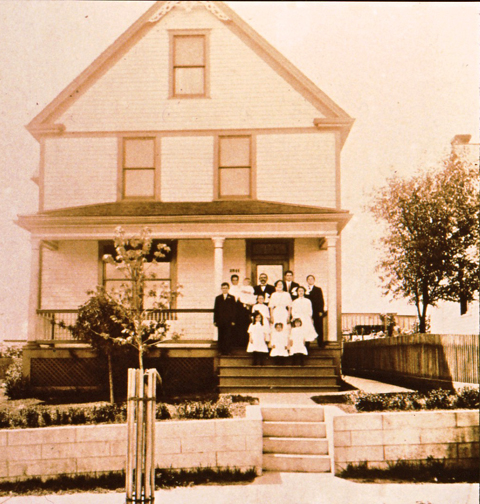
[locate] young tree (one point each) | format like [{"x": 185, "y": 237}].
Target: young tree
[
  {"x": 120, "y": 318},
  {"x": 431, "y": 240}
]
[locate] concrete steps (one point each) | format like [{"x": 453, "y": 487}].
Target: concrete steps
[{"x": 295, "y": 439}]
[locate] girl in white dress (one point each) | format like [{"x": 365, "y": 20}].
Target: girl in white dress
[
  {"x": 257, "y": 339},
  {"x": 279, "y": 342},
  {"x": 262, "y": 308},
  {"x": 297, "y": 342},
  {"x": 302, "y": 309},
  {"x": 280, "y": 305}
]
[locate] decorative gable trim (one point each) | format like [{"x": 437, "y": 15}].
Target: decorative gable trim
[
  {"x": 44, "y": 122},
  {"x": 188, "y": 6}
]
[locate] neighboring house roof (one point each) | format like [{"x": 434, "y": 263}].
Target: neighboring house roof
[
  {"x": 155, "y": 211},
  {"x": 44, "y": 122}
]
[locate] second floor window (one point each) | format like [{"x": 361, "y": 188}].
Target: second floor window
[
  {"x": 189, "y": 65},
  {"x": 234, "y": 167},
  {"x": 139, "y": 168}
]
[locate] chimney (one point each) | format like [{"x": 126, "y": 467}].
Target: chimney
[{"x": 461, "y": 139}]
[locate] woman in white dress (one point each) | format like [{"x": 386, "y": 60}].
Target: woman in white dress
[
  {"x": 302, "y": 309},
  {"x": 280, "y": 305}
]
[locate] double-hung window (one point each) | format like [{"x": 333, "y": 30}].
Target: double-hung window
[
  {"x": 139, "y": 167},
  {"x": 189, "y": 70},
  {"x": 235, "y": 167}
]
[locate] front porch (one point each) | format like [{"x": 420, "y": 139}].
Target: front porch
[{"x": 209, "y": 242}]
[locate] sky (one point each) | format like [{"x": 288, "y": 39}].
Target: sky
[{"x": 408, "y": 72}]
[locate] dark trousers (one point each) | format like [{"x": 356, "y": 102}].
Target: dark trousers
[
  {"x": 225, "y": 338},
  {"x": 244, "y": 315},
  {"x": 318, "y": 324}
]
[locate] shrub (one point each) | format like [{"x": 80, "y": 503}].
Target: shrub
[
  {"x": 203, "y": 410},
  {"x": 162, "y": 412},
  {"x": 16, "y": 385},
  {"x": 13, "y": 352},
  {"x": 439, "y": 399},
  {"x": 370, "y": 402},
  {"x": 237, "y": 398},
  {"x": 467, "y": 398},
  {"x": 408, "y": 401}
]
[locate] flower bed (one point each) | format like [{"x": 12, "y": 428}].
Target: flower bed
[
  {"x": 404, "y": 401},
  {"x": 38, "y": 415}
]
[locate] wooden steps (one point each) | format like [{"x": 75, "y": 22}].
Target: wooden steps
[{"x": 238, "y": 375}]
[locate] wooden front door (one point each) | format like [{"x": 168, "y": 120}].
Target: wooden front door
[{"x": 272, "y": 257}]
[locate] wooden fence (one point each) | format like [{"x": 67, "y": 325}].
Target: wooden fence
[{"x": 442, "y": 358}]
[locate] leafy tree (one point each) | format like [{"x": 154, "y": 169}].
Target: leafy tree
[
  {"x": 98, "y": 324},
  {"x": 431, "y": 240}
]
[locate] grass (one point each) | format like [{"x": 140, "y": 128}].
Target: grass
[
  {"x": 115, "y": 481},
  {"x": 430, "y": 471}
]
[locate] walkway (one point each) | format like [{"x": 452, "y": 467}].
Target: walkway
[
  {"x": 286, "y": 488},
  {"x": 370, "y": 386}
]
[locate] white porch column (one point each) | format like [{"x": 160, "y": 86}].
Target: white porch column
[
  {"x": 33, "y": 299},
  {"x": 332, "y": 289},
  {"x": 218, "y": 261}
]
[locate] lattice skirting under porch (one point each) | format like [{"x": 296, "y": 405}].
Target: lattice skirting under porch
[
  {"x": 68, "y": 372},
  {"x": 179, "y": 375},
  {"x": 184, "y": 375}
]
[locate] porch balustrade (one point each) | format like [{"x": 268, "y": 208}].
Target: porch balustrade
[{"x": 184, "y": 324}]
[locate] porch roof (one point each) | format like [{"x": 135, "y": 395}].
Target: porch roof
[
  {"x": 172, "y": 209},
  {"x": 240, "y": 218}
]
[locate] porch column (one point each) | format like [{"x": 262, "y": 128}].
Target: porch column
[
  {"x": 332, "y": 289},
  {"x": 33, "y": 298},
  {"x": 218, "y": 261}
]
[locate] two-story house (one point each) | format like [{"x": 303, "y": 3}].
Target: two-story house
[{"x": 195, "y": 126}]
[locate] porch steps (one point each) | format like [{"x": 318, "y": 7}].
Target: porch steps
[
  {"x": 238, "y": 375},
  {"x": 295, "y": 439}
]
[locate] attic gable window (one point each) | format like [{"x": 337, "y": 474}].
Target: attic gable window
[
  {"x": 189, "y": 65},
  {"x": 138, "y": 167},
  {"x": 235, "y": 167}
]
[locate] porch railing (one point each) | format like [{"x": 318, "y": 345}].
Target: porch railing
[
  {"x": 184, "y": 324},
  {"x": 359, "y": 321}
]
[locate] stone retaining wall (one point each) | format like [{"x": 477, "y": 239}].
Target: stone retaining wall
[
  {"x": 383, "y": 438},
  {"x": 102, "y": 448}
]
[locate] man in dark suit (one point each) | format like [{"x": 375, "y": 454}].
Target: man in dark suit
[
  {"x": 290, "y": 286},
  {"x": 263, "y": 287},
  {"x": 315, "y": 295},
  {"x": 224, "y": 314}
]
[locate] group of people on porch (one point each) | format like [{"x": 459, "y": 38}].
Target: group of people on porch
[{"x": 281, "y": 320}]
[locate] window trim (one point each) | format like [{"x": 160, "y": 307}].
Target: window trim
[
  {"x": 171, "y": 69},
  {"x": 253, "y": 168},
  {"x": 156, "y": 196}
]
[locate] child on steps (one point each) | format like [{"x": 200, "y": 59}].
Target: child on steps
[{"x": 257, "y": 343}]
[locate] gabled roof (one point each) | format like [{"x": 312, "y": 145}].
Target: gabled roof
[{"x": 44, "y": 122}]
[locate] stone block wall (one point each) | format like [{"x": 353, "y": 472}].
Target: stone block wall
[
  {"x": 383, "y": 438},
  {"x": 102, "y": 448}
]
